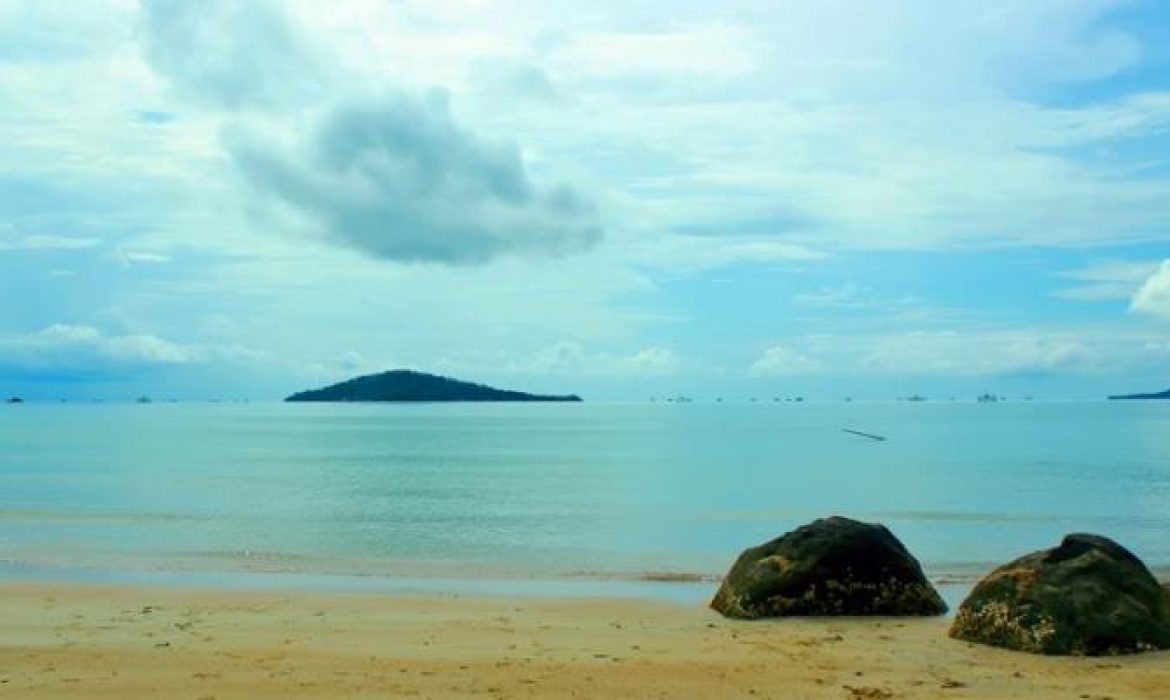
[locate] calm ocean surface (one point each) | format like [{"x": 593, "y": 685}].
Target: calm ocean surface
[{"x": 587, "y": 495}]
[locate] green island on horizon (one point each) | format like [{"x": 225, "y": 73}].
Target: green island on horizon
[
  {"x": 404, "y": 385},
  {"x": 1130, "y": 397}
]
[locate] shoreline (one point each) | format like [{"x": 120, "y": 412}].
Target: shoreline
[
  {"x": 668, "y": 587},
  {"x": 74, "y": 640},
  {"x": 674, "y": 587},
  {"x": 945, "y": 574}
]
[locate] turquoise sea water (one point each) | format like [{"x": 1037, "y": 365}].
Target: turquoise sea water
[{"x": 579, "y": 495}]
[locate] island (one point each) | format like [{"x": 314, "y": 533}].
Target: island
[
  {"x": 1127, "y": 397},
  {"x": 410, "y": 386}
]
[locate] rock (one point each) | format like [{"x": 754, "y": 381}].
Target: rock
[
  {"x": 833, "y": 566},
  {"x": 1089, "y": 596}
]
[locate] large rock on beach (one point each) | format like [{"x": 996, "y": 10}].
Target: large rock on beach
[
  {"x": 833, "y": 566},
  {"x": 1089, "y": 596}
]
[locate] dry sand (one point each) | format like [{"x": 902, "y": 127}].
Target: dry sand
[{"x": 78, "y": 641}]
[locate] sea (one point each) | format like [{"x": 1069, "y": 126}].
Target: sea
[{"x": 593, "y": 499}]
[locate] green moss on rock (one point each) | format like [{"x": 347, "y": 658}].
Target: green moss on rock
[
  {"x": 1089, "y": 596},
  {"x": 833, "y": 566}
]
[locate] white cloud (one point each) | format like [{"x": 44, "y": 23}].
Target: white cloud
[
  {"x": 385, "y": 171},
  {"x": 688, "y": 254},
  {"x": 790, "y": 134},
  {"x": 981, "y": 353},
  {"x": 706, "y": 53},
  {"x": 779, "y": 360},
  {"x": 49, "y": 242},
  {"x": 916, "y": 131},
  {"x": 1108, "y": 280},
  {"x": 353, "y": 361},
  {"x": 1153, "y": 298},
  {"x": 845, "y": 296},
  {"x": 969, "y": 353},
  {"x": 132, "y": 257},
  {"x": 568, "y": 357},
  {"x": 12, "y": 238},
  {"x": 146, "y": 349},
  {"x": 231, "y": 53},
  {"x": 656, "y": 361},
  {"x": 32, "y": 32},
  {"x": 83, "y": 349}
]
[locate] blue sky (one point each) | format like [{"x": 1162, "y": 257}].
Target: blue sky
[{"x": 827, "y": 198}]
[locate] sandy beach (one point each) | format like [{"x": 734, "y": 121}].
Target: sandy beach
[{"x": 85, "y": 641}]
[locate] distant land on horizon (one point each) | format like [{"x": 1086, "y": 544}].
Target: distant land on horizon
[
  {"x": 1126, "y": 397},
  {"x": 411, "y": 386}
]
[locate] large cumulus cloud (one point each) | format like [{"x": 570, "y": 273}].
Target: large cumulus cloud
[
  {"x": 384, "y": 170},
  {"x": 398, "y": 178}
]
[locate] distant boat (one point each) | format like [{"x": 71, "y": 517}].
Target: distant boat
[
  {"x": 144, "y": 399},
  {"x": 987, "y": 398},
  {"x": 916, "y": 398},
  {"x": 871, "y": 436},
  {"x": 15, "y": 399}
]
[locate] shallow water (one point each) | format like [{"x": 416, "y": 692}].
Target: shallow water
[{"x": 590, "y": 494}]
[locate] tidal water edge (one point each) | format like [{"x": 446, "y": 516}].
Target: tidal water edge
[{"x": 581, "y": 499}]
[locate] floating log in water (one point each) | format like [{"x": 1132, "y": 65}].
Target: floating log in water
[{"x": 871, "y": 436}]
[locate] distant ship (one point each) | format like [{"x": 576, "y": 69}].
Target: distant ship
[
  {"x": 144, "y": 399},
  {"x": 15, "y": 399},
  {"x": 987, "y": 398}
]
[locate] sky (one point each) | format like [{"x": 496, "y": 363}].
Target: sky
[{"x": 826, "y": 198}]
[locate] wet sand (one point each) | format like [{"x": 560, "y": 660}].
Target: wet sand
[{"x": 84, "y": 641}]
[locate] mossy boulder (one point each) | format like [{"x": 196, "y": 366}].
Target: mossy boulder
[
  {"x": 832, "y": 566},
  {"x": 1090, "y": 596}
]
